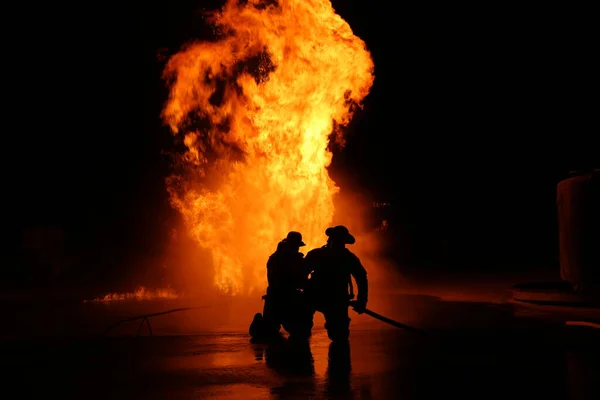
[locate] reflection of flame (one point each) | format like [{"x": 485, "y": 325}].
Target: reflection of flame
[
  {"x": 140, "y": 294},
  {"x": 256, "y": 110}
]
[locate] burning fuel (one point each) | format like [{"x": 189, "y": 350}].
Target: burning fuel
[
  {"x": 140, "y": 294},
  {"x": 256, "y": 110}
]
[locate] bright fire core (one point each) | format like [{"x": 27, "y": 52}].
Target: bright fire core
[{"x": 256, "y": 109}]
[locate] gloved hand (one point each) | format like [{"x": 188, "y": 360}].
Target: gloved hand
[{"x": 359, "y": 305}]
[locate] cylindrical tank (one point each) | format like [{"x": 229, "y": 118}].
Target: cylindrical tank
[{"x": 578, "y": 202}]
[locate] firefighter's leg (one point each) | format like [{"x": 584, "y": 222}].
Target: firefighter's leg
[
  {"x": 337, "y": 322},
  {"x": 306, "y": 322},
  {"x": 271, "y": 317},
  {"x": 298, "y": 322},
  {"x": 339, "y": 358}
]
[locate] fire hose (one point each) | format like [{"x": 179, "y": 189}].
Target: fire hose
[
  {"x": 373, "y": 314},
  {"x": 146, "y": 321},
  {"x": 386, "y": 320},
  {"x": 354, "y": 304},
  {"x": 145, "y": 318}
]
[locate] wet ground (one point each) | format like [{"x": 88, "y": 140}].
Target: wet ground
[{"x": 472, "y": 349}]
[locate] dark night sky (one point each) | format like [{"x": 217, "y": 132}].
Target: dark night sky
[{"x": 476, "y": 113}]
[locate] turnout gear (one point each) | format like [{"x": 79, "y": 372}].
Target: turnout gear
[{"x": 332, "y": 268}]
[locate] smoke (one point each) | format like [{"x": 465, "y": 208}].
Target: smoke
[
  {"x": 357, "y": 210},
  {"x": 187, "y": 266}
]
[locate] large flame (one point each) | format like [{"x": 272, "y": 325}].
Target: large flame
[{"x": 256, "y": 110}]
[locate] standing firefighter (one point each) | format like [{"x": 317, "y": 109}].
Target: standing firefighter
[
  {"x": 331, "y": 268},
  {"x": 286, "y": 276}
]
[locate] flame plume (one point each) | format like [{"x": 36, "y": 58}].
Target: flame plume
[{"x": 255, "y": 110}]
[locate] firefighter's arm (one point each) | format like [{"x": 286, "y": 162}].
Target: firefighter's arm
[
  {"x": 308, "y": 266},
  {"x": 309, "y": 262},
  {"x": 362, "y": 284}
]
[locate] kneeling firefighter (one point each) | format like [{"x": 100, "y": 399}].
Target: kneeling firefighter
[{"x": 286, "y": 277}]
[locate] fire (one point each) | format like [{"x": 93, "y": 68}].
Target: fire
[
  {"x": 256, "y": 110},
  {"x": 140, "y": 294}
]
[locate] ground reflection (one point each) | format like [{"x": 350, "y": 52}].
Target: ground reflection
[
  {"x": 295, "y": 364},
  {"x": 473, "y": 351},
  {"x": 339, "y": 366}
]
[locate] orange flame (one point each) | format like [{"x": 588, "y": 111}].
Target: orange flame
[
  {"x": 140, "y": 294},
  {"x": 256, "y": 110}
]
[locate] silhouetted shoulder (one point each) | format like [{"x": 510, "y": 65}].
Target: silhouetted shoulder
[
  {"x": 271, "y": 260},
  {"x": 315, "y": 252},
  {"x": 280, "y": 246},
  {"x": 315, "y": 257},
  {"x": 352, "y": 256},
  {"x": 355, "y": 265}
]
